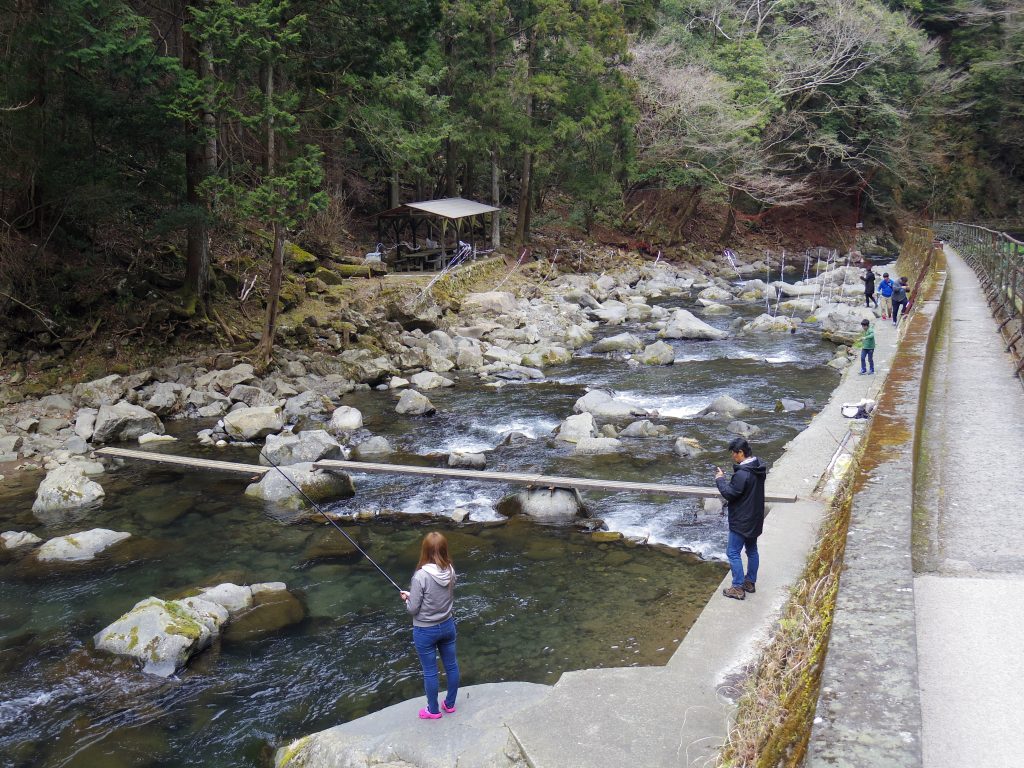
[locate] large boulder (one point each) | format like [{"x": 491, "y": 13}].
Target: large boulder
[
  {"x": 587, "y": 445},
  {"x": 165, "y": 399},
  {"x": 658, "y": 353},
  {"x": 254, "y": 397},
  {"x": 77, "y": 547},
  {"x": 644, "y": 428},
  {"x": 714, "y": 293},
  {"x": 225, "y": 381},
  {"x": 93, "y": 394},
  {"x": 466, "y": 460},
  {"x": 413, "y": 403},
  {"x": 688, "y": 447},
  {"x": 306, "y": 403},
  {"x": 345, "y": 420},
  {"x": 547, "y": 505},
  {"x": 18, "y": 539},
  {"x": 301, "y": 448},
  {"x": 724, "y": 406},
  {"x": 375, "y": 447},
  {"x": 162, "y": 635},
  {"x": 766, "y": 323},
  {"x": 841, "y": 323},
  {"x": 575, "y": 428},
  {"x": 546, "y": 354},
  {"x": 429, "y": 380},
  {"x": 683, "y": 324},
  {"x": 248, "y": 424},
  {"x": 124, "y": 421},
  {"x": 604, "y": 406},
  {"x": 66, "y": 487},
  {"x": 318, "y": 485},
  {"x": 494, "y": 302},
  {"x": 623, "y": 342}
]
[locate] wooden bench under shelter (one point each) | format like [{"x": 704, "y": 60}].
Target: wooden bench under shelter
[{"x": 427, "y": 235}]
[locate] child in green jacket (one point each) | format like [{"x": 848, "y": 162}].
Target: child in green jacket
[{"x": 867, "y": 348}]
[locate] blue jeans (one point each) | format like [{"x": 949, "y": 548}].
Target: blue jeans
[
  {"x": 867, "y": 356},
  {"x": 429, "y": 641},
  {"x": 732, "y": 551}
]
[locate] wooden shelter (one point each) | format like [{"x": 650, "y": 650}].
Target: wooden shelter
[{"x": 429, "y": 234}]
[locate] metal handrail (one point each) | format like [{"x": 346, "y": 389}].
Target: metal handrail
[{"x": 998, "y": 260}]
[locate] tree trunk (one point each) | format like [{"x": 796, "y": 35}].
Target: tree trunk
[
  {"x": 200, "y": 162},
  {"x": 451, "y": 184},
  {"x": 730, "y": 220},
  {"x": 265, "y": 349},
  {"x": 691, "y": 207},
  {"x": 525, "y": 186},
  {"x": 495, "y": 200},
  {"x": 393, "y": 190}
]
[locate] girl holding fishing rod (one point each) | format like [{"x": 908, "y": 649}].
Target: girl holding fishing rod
[{"x": 430, "y": 600}]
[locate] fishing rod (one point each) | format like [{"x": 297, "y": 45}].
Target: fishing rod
[{"x": 331, "y": 521}]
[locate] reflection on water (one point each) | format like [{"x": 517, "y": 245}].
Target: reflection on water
[{"x": 533, "y": 601}]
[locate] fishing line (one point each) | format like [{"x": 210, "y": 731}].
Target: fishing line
[{"x": 331, "y": 521}]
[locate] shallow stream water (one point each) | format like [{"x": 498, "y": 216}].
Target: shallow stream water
[{"x": 533, "y": 601}]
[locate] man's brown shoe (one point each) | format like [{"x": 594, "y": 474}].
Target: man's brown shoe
[
  {"x": 736, "y": 593},
  {"x": 748, "y": 586}
]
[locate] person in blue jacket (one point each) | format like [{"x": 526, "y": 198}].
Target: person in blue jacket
[
  {"x": 744, "y": 493},
  {"x": 885, "y": 291}
]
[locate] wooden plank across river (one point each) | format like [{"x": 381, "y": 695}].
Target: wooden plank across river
[{"x": 514, "y": 478}]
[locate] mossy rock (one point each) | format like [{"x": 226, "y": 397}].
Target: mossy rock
[
  {"x": 291, "y": 294},
  {"x": 328, "y": 276},
  {"x": 279, "y": 610},
  {"x": 300, "y": 260}
]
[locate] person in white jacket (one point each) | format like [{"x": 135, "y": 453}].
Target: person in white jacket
[{"x": 429, "y": 600}]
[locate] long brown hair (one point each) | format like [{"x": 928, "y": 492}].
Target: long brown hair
[{"x": 435, "y": 550}]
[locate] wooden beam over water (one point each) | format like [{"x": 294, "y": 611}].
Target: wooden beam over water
[{"x": 513, "y": 478}]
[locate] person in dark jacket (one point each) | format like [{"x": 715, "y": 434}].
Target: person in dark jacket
[
  {"x": 869, "y": 286},
  {"x": 899, "y": 299},
  {"x": 429, "y": 600},
  {"x": 744, "y": 494}
]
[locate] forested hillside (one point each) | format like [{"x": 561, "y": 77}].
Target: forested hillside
[{"x": 151, "y": 139}]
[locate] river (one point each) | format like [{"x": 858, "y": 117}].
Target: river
[{"x": 533, "y": 601}]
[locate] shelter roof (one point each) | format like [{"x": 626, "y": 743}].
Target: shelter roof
[{"x": 446, "y": 208}]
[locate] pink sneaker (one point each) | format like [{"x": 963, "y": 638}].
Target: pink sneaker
[
  {"x": 426, "y": 714},
  {"x": 450, "y": 710}
]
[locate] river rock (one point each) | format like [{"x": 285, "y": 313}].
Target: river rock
[
  {"x": 586, "y": 445},
  {"x": 124, "y": 421},
  {"x": 250, "y": 424},
  {"x": 429, "y": 380},
  {"x": 497, "y": 354},
  {"x": 306, "y": 403},
  {"x": 493, "y": 302},
  {"x": 604, "y": 406},
  {"x": 93, "y": 394},
  {"x": 225, "y": 381},
  {"x": 254, "y": 397},
  {"x": 66, "y": 487},
  {"x": 319, "y": 485},
  {"x": 743, "y": 429},
  {"x": 165, "y": 399},
  {"x": 841, "y": 323},
  {"x": 644, "y": 428},
  {"x": 714, "y": 308},
  {"x": 85, "y": 423},
  {"x": 18, "y": 539},
  {"x": 624, "y": 342},
  {"x": 575, "y": 428},
  {"x": 162, "y": 635},
  {"x": 467, "y": 460},
  {"x": 11, "y": 444},
  {"x": 232, "y": 597},
  {"x": 658, "y": 353},
  {"x": 724, "y": 406},
  {"x": 546, "y": 354},
  {"x": 784, "y": 405},
  {"x": 765, "y": 323},
  {"x": 375, "y": 446},
  {"x": 469, "y": 358},
  {"x": 301, "y": 448},
  {"x": 684, "y": 325},
  {"x": 345, "y": 420},
  {"x": 555, "y": 505},
  {"x": 77, "y": 547},
  {"x": 153, "y": 437},
  {"x": 414, "y": 403},
  {"x": 714, "y": 293},
  {"x": 687, "y": 447},
  {"x": 611, "y": 313}
]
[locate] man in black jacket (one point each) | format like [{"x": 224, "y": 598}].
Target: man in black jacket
[{"x": 745, "y": 496}]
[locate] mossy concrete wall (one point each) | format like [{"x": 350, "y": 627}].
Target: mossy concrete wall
[{"x": 869, "y": 711}]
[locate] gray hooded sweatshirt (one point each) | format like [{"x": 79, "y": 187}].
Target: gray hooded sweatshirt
[{"x": 431, "y": 595}]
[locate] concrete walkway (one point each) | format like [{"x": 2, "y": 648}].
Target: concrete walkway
[{"x": 969, "y": 540}]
